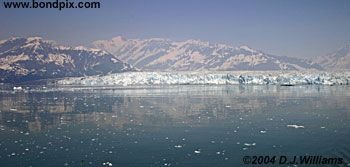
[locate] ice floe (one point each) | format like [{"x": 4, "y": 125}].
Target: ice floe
[
  {"x": 107, "y": 164},
  {"x": 197, "y": 151},
  {"x": 295, "y": 126},
  {"x": 17, "y": 88},
  {"x": 178, "y": 146},
  {"x": 263, "y": 131},
  {"x": 249, "y": 144}
]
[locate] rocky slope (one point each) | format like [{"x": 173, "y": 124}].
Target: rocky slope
[
  {"x": 27, "y": 59},
  {"x": 338, "y": 60},
  {"x": 158, "y": 54}
]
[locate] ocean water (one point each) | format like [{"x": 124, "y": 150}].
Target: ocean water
[{"x": 172, "y": 125}]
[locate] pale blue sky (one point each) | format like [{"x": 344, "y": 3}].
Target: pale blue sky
[{"x": 299, "y": 28}]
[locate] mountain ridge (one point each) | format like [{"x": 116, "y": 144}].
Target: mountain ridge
[
  {"x": 158, "y": 54},
  {"x": 337, "y": 60},
  {"x": 32, "y": 58}
]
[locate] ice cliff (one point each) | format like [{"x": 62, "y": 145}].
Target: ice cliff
[{"x": 213, "y": 78}]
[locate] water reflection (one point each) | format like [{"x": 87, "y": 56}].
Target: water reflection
[
  {"x": 193, "y": 105},
  {"x": 170, "y": 126}
]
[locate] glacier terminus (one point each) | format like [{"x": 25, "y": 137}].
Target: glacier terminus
[{"x": 283, "y": 78}]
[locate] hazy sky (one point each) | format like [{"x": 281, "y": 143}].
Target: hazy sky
[{"x": 300, "y": 28}]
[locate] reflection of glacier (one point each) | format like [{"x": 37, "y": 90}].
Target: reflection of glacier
[
  {"x": 157, "y": 107},
  {"x": 213, "y": 78}
]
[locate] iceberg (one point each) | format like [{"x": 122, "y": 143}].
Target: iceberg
[
  {"x": 295, "y": 126},
  {"x": 282, "y": 78}
]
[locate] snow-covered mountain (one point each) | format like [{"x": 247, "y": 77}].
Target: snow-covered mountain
[
  {"x": 159, "y": 54},
  {"x": 26, "y": 59},
  {"x": 339, "y": 60}
]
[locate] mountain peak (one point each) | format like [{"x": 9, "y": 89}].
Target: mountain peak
[
  {"x": 12, "y": 39},
  {"x": 30, "y": 39},
  {"x": 344, "y": 50},
  {"x": 247, "y": 48},
  {"x": 35, "y": 42},
  {"x": 197, "y": 42},
  {"x": 30, "y": 42},
  {"x": 161, "y": 54},
  {"x": 32, "y": 58},
  {"x": 118, "y": 39},
  {"x": 338, "y": 60}
]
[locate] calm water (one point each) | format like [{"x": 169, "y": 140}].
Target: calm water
[{"x": 171, "y": 126}]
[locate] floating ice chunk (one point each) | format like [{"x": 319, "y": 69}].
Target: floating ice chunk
[
  {"x": 107, "y": 164},
  {"x": 178, "y": 146},
  {"x": 295, "y": 126},
  {"x": 263, "y": 131},
  {"x": 249, "y": 144},
  {"x": 197, "y": 151},
  {"x": 17, "y": 88}
]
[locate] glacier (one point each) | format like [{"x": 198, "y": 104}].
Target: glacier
[{"x": 282, "y": 78}]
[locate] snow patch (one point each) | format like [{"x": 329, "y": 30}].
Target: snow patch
[
  {"x": 247, "y": 48},
  {"x": 30, "y": 39}
]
